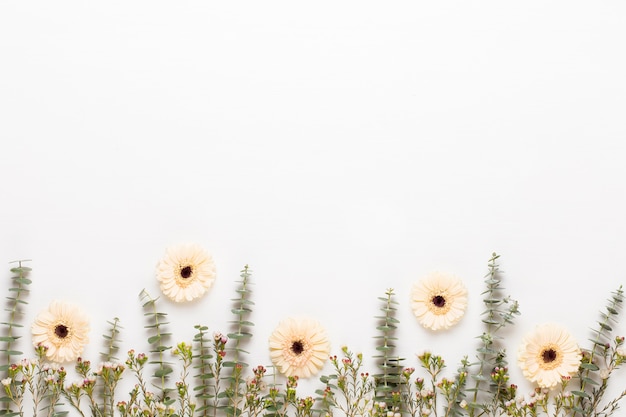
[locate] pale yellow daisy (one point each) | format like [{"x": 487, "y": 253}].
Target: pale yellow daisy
[
  {"x": 439, "y": 300},
  {"x": 299, "y": 347},
  {"x": 63, "y": 329},
  {"x": 186, "y": 272},
  {"x": 548, "y": 354}
]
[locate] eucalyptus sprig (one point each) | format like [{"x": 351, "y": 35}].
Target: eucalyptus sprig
[
  {"x": 242, "y": 309},
  {"x": 203, "y": 364},
  {"x": 111, "y": 340},
  {"x": 158, "y": 340},
  {"x": 388, "y": 379},
  {"x": 600, "y": 361},
  {"x": 18, "y": 290},
  {"x": 499, "y": 312}
]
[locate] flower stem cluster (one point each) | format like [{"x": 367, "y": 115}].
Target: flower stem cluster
[
  {"x": 184, "y": 353},
  {"x": 142, "y": 401},
  {"x": 40, "y": 381},
  {"x": 96, "y": 386},
  {"x": 419, "y": 396},
  {"x": 349, "y": 390},
  {"x": 284, "y": 402},
  {"x": 224, "y": 385}
]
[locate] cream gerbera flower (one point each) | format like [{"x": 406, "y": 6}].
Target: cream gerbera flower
[
  {"x": 439, "y": 301},
  {"x": 63, "y": 329},
  {"x": 549, "y": 354},
  {"x": 299, "y": 347},
  {"x": 186, "y": 272}
]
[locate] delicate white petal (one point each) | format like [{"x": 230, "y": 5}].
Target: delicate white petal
[
  {"x": 299, "y": 347},
  {"x": 439, "y": 301},
  {"x": 200, "y": 272},
  {"x": 61, "y": 348},
  {"x": 564, "y": 358}
]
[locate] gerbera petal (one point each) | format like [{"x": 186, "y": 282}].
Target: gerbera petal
[
  {"x": 548, "y": 370},
  {"x": 299, "y": 347},
  {"x": 196, "y": 280},
  {"x": 439, "y": 301},
  {"x": 64, "y": 346}
]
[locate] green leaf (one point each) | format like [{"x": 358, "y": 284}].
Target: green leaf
[
  {"x": 161, "y": 348},
  {"x": 605, "y": 326},
  {"x": 384, "y": 348},
  {"x": 589, "y": 380},
  {"x": 163, "y": 372},
  {"x": 9, "y": 338},
  {"x": 238, "y": 336},
  {"x": 240, "y": 311}
]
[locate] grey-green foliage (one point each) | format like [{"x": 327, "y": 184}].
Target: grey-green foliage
[
  {"x": 241, "y": 325},
  {"x": 204, "y": 367},
  {"x": 600, "y": 358},
  {"x": 388, "y": 378},
  {"x": 111, "y": 340},
  {"x": 158, "y": 339},
  {"x": 499, "y": 312},
  {"x": 15, "y": 300},
  {"x": 18, "y": 290},
  {"x": 241, "y": 332}
]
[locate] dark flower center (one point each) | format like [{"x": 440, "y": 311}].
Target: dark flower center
[
  {"x": 549, "y": 355},
  {"x": 439, "y": 301},
  {"x": 61, "y": 331},
  {"x": 297, "y": 347},
  {"x": 186, "y": 272}
]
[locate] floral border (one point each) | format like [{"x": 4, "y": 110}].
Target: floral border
[{"x": 210, "y": 377}]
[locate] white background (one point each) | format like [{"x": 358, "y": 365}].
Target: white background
[{"x": 338, "y": 148}]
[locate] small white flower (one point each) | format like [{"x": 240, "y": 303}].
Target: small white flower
[
  {"x": 463, "y": 404},
  {"x": 604, "y": 373},
  {"x": 6, "y": 382},
  {"x": 28, "y": 363},
  {"x": 621, "y": 351}
]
